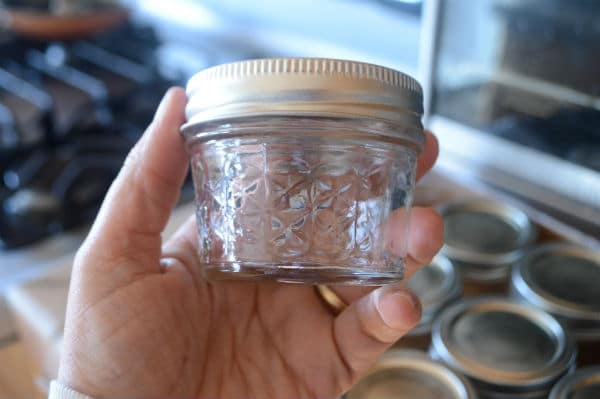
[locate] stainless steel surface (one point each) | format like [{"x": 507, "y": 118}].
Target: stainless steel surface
[
  {"x": 540, "y": 178},
  {"x": 562, "y": 188},
  {"x": 582, "y": 384},
  {"x": 411, "y": 374},
  {"x": 437, "y": 285},
  {"x": 306, "y": 87},
  {"x": 503, "y": 347},
  {"x": 563, "y": 280},
  {"x": 484, "y": 238}
]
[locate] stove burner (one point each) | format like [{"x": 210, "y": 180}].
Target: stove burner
[{"x": 69, "y": 113}]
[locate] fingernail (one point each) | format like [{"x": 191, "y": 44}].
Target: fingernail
[{"x": 399, "y": 309}]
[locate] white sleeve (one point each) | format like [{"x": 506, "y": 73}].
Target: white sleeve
[{"x": 60, "y": 391}]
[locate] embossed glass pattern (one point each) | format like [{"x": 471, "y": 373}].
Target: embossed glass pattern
[
  {"x": 303, "y": 169},
  {"x": 300, "y": 199}
]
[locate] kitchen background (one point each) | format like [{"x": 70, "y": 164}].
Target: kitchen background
[{"x": 512, "y": 90}]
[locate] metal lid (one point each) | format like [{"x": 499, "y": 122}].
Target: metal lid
[
  {"x": 487, "y": 273},
  {"x": 411, "y": 374},
  {"x": 485, "y": 232},
  {"x": 582, "y": 384},
  {"x": 503, "y": 346},
  {"x": 436, "y": 285},
  {"x": 564, "y": 280},
  {"x": 306, "y": 87}
]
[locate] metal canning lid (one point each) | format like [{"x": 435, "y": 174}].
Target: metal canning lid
[
  {"x": 411, "y": 374},
  {"x": 306, "y": 87},
  {"x": 503, "y": 346},
  {"x": 582, "y": 384},
  {"x": 436, "y": 285},
  {"x": 485, "y": 232},
  {"x": 564, "y": 280}
]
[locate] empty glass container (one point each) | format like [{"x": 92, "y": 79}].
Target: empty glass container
[{"x": 303, "y": 169}]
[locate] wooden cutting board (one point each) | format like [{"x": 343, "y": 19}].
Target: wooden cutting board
[{"x": 16, "y": 381}]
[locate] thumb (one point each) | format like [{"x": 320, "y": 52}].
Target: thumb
[
  {"x": 140, "y": 200},
  {"x": 369, "y": 326}
]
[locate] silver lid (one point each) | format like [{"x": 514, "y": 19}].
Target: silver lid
[
  {"x": 582, "y": 384},
  {"x": 485, "y": 232},
  {"x": 306, "y": 87},
  {"x": 436, "y": 285},
  {"x": 503, "y": 346},
  {"x": 564, "y": 280},
  {"x": 411, "y": 374}
]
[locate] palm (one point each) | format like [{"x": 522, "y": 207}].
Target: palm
[
  {"x": 176, "y": 335},
  {"x": 142, "y": 322}
]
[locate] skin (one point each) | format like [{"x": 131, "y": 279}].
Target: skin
[{"x": 143, "y": 323}]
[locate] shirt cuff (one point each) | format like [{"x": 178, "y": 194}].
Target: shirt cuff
[{"x": 60, "y": 391}]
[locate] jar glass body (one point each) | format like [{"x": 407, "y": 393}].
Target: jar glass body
[{"x": 302, "y": 199}]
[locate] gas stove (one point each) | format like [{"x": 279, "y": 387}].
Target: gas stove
[{"x": 69, "y": 113}]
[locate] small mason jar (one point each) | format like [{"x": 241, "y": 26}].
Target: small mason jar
[
  {"x": 506, "y": 350},
  {"x": 484, "y": 239},
  {"x": 303, "y": 169},
  {"x": 437, "y": 285},
  {"x": 564, "y": 280},
  {"x": 405, "y": 373}
]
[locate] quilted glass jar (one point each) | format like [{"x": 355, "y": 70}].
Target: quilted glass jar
[{"x": 303, "y": 169}]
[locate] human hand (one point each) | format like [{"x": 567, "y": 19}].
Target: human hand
[{"x": 143, "y": 323}]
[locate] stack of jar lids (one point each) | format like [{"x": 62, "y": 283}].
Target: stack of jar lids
[
  {"x": 484, "y": 238},
  {"x": 436, "y": 285},
  {"x": 412, "y": 375},
  {"x": 505, "y": 349},
  {"x": 563, "y": 280},
  {"x": 582, "y": 384}
]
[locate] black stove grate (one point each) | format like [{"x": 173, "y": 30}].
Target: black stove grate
[{"x": 69, "y": 113}]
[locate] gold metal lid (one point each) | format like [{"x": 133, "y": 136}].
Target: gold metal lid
[{"x": 306, "y": 87}]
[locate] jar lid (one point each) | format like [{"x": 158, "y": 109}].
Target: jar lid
[
  {"x": 564, "y": 280},
  {"x": 411, "y": 374},
  {"x": 485, "y": 232},
  {"x": 582, "y": 384},
  {"x": 307, "y": 87},
  {"x": 503, "y": 346},
  {"x": 436, "y": 285}
]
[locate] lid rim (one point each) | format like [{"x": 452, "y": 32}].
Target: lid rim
[
  {"x": 564, "y": 358},
  {"x": 504, "y": 212},
  {"x": 419, "y": 361},
  {"x": 523, "y": 283},
  {"x": 304, "y": 86},
  {"x": 565, "y": 385}
]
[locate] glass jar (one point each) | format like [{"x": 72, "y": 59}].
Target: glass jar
[
  {"x": 411, "y": 374},
  {"x": 564, "y": 280},
  {"x": 437, "y": 285},
  {"x": 484, "y": 239},
  {"x": 505, "y": 349},
  {"x": 303, "y": 169}
]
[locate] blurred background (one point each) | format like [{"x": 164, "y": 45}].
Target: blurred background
[{"x": 512, "y": 90}]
